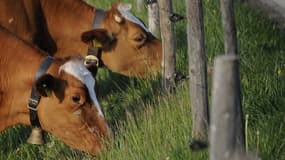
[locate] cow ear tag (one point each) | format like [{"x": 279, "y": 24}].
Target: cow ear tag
[
  {"x": 96, "y": 44},
  {"x": 46, "y": 90},
  {"x": 118, "y": 19}
]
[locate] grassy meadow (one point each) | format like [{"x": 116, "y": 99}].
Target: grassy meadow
[{"x": 150, "y": 126}]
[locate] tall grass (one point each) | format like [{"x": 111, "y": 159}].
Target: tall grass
[{"x": 148, "y": 125}]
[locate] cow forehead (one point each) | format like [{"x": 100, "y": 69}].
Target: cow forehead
[
  {"x": 124, "y": 9},
  {"x": 79, "y": 71}
]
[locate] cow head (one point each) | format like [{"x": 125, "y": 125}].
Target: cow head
[
  {"x": 128, "y": 47},
  {"x": 69, "y": 108}
]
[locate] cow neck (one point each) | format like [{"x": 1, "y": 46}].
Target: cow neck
[
  {"x": 96, "y": 51},
  {"x": 35, "y": 96},
  {"x": 66, "y": 21}
]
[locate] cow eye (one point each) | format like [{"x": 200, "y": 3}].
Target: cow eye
[
  {"x": 140, "y": 38},
  {"x": 76, "y": 99}
]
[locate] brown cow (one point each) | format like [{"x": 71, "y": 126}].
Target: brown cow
[
  {"x": 130, "y": 48},
  {"x": 68, "y": 107}
]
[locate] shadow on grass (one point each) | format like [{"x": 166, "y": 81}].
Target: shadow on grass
[
  {"x": 120, "y": 95},
  {"x": 110, "y": 82}
]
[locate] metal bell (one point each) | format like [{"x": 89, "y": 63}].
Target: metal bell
[{"x": 36, "y": 137}]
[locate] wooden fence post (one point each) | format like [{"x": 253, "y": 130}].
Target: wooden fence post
[
  {"x": 230, "y": 44},
  {"x": 225, "y": 90},
  {"x": 153, "y": 19},
  {"x": 229, "y": 26},
  {"x": 197, "y": 70},
  {"x": 168, "y": 63},
  {"x": 225, "y": 111}
]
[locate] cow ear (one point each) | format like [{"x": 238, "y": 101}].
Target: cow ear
[
  {"x": 116, "y": 13},
  {"x": 121, "y": 11},
  {"x": 45, "y": 85},
  {"x": 98, "y": 38},
  {"x": 118, "y": 18}
]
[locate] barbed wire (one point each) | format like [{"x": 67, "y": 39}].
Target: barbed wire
[{"x": 174, "y": 17}]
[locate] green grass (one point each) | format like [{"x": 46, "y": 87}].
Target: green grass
[{"x": 148, "y": 125}]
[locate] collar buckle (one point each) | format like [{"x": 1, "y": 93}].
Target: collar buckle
[{"x": 33, "y": 103}]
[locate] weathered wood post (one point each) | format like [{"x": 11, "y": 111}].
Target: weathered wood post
[
  {"x": 197, "y": 70},
  {"x": 140, "y": 5},
  {"x": 225, "y": 93},
  {"x": 153, "y": 17},
  {"x": 224, "y": 111},
  {"x": 230, "y": 44},
  {"x": 168, "y": 63},
  {"x": 229, "y": 26}
]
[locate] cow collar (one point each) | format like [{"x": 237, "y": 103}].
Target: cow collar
[
  {"x": 94, "y": 57},
  {"x": 98, "y": 18},
  {"x": 35, "y": 96},
  {"x": 94, "y": 53}
]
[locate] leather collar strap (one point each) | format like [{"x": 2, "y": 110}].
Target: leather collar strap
[
  {"x": 35, "y": 96},
  {"x": 99, "y": 16}
]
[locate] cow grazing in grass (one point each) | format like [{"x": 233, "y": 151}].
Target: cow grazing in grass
[
  {"x": 68, "y": 107},
  {"x": 58, "y": 26}
]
